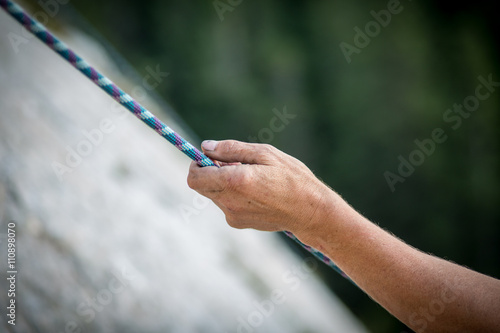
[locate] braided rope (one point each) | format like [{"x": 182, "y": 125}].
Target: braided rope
[
  {"x": 126, "y": 100},
  {"x": 104, "y": 83}
]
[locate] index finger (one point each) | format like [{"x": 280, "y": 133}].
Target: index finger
[{"x": 205, "y": 180}]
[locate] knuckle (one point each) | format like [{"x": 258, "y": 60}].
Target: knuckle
[
  {"x": 233, "y": 222},
  {"x": 266, "y": 151},
  {"x": 239, "y": 182},
  {"x": 234, "y": 210},
  {"x": 238, "y": 148},
  {"x": 267, "y": 148},
  {"x": 242, "y": 180},
  {"x": 230, "y": 145},
  {"x": 191, "y": 181},
  {"x": 230, "y": 221},
  {"x": 192, "y": 178}
]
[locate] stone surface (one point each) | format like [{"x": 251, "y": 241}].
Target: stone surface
[{"x": 117, "y": 242}]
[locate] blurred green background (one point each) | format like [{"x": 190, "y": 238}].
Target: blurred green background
[{"x": 232, "y": 62}]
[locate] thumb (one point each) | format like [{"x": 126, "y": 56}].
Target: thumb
[{"x": 235, "y": 151}]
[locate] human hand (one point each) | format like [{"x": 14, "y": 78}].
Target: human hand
[{"x": 260, "y": 187}]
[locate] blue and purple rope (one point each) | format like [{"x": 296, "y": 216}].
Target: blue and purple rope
[
  {"x": 125, "y": 99},
  {"x": 104, "y": 83}
]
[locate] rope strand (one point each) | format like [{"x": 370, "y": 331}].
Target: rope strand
[
  {"x": 126, "y": 100},
  {"x": 104, "y": 83}
]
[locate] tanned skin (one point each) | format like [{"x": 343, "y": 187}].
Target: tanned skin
[{"x": 260, "y": 187}]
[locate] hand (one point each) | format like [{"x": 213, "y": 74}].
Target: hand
[{"x": 260, "y": 187}]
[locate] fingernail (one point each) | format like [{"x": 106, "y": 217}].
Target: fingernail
[{"x": 209, "y": 144}]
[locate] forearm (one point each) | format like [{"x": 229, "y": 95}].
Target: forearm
[
  {"x": 426, "y": 293},
  {"x": 268, "y": 190}
]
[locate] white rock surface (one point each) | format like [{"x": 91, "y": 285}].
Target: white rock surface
[{"x": 119, "y": 213}]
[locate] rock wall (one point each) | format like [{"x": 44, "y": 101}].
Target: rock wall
[{"x": 109, "y": 238}]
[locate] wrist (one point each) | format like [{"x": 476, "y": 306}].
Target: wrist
[{"x": 331, "y": 214}]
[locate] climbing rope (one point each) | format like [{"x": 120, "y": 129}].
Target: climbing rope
[
  {"x": 104, "y": 83},
  {"x": 126, "y": 100}
]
